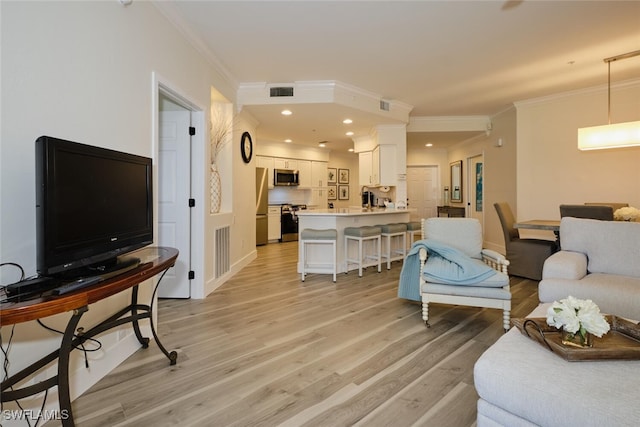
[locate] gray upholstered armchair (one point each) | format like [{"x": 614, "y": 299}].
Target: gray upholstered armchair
[{"x": 526, "y": 256}]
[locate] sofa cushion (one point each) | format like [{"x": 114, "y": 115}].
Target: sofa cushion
[
  {"x": 565, "y": 265},
  {"x": 613, "y": 294},
  {"x": 523, "y": 378},
  {"x": 611, "y": 246},
  {"x": 467, "y": 291}
]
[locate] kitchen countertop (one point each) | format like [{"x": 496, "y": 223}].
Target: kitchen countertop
[{"x": 351, "y": 211}]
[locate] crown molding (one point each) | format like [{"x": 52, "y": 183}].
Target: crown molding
[{"x": 585, "y": 91}]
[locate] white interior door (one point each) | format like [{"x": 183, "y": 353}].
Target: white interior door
[
  {"x": 174, "y": 213},
  {"x": 476, "y": 188},
  {"x": 422, "y": 191}
]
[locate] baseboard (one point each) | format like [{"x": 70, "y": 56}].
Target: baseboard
[{"x": 213, "y": 284}]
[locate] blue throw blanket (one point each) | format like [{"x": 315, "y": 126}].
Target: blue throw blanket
[{"x": 445, "y": 264}]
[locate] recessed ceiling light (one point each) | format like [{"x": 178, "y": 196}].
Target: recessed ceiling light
[
  {"x": 286, "y": 112},
  {"x": 349, "y": 133},
  {"x": 351, "y": 150},
  {"x": 347, "y": 121},
  {"x": 428, "y": 144},
  {"x": 288, "y": 140},
  {"x": 322, "y": 144}
]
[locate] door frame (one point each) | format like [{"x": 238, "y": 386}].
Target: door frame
[{"x": 161, "y": 86}]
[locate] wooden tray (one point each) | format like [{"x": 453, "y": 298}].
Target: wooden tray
[{"x": 622, "y": 342}]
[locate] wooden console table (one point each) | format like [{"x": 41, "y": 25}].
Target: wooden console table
[
  {"x": 153, "y": 260},
  {"x": 451, "y": 211}
]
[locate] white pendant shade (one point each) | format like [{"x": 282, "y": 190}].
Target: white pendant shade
[{"x": 617, "y": 135}]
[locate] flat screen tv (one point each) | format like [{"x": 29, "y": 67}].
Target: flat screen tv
[{"x": 93, "y": 205}]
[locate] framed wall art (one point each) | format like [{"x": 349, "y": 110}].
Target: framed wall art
[
  {"x": 343, "y": 176},
  {"x": 332, "y": 192},
  {"x": 332, "y": 175},
  {"x": 343, "y": 192}
]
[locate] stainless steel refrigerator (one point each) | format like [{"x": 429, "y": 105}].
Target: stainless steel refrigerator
[{"x": 262, "y": 205}]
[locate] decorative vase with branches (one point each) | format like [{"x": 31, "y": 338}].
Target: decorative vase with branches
[{"x": 220, "y": 128}]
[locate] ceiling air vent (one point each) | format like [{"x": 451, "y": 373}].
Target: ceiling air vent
[
  {"x": 384, "y": 105},
  {"x": 280, "y": 91}
]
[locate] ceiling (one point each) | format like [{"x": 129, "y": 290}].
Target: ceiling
[{"x": 443, "y": 58}]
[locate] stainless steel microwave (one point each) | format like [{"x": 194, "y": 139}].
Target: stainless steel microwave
[{"x": 286, "y": 177}]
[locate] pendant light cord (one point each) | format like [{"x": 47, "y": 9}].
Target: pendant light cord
[{"x": 609, "y": 61}]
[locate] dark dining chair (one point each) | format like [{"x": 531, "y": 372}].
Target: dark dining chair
[
  {"x": 526, "y": 256},
  {"x": 601, "y": 212},
  {"x": 614, "y": 205}
]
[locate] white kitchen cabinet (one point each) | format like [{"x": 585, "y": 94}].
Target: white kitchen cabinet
[
  {"x": 378, "y": 167},
  {"x": 365, "y": 173},
  {"x": 280, "y": 163},
  {"x": 318, "y": 174},
  {"x": 304, "y": 169},
  {"x": 273, "y": 227},
  {"x": 267, "y": 163},
  {"x": 375, "y": 165},
  {"x": 319, "y": 198}
]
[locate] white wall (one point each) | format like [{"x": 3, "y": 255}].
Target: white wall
[
  {"x": 551, "y": 170},
  {"x": 83, "y": 71},
  {"x": 346, "y": 160},
  {"x": 499, "y": 169},
  {"x": 243, "y": 243}
]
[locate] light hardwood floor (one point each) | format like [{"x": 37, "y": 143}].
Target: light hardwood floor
[{"x": 266, "y": 349}]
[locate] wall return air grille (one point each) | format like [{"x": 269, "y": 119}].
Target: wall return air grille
[{"x": 222, "y": 251}]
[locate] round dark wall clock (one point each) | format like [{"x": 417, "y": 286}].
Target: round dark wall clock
[{"x": 246, "y": 147}]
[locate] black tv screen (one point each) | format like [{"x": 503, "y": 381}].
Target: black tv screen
[{"x": 92, "y": 205}]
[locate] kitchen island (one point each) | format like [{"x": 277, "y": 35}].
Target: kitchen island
[{"x": 339, "y": 219}]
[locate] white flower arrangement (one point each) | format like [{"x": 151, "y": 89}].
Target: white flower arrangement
[
  {"x": 577, "y": 316},
  {"x": 627, "y": 213}
]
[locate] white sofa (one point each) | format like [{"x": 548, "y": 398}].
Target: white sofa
[
  {"x": 598, "y": 260},
  {"x": 521, "y": 383}
]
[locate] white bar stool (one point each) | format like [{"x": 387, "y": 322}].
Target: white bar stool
[
  {"x": 390, "y": 232},
  {"x": 360, "y": 235},
  {"x": 310, "y": 236},
  {"x": 413, "y": 228}
]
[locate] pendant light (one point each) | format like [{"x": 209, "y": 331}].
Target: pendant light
[{"x": 617, "y": 135}]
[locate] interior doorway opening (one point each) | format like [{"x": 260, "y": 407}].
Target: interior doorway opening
[{"x": 178, "y": 140}]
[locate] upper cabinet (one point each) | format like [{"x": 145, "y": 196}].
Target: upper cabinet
[
  {"x": 378, "y": 167},
  {"x": 365, "y": 168},
  {"x": 312, "y": 174},
  {"x": 267, "y": 163},
  {"x": 304, "y": 170},
  {"x": 279, "y": 163}
]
